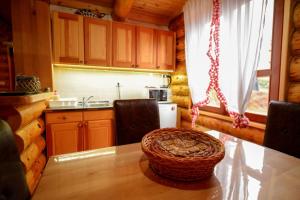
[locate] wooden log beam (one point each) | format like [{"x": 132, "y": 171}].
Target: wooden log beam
[
  {"x": 180, "y": 90},
  {"x": 180, "y": 33},
  {"x": 294, "y": 92},
  {"x": 34, "y": 174},
  {"x": 25, "y": 136},
  {"x": 29, "y": 155},
  {"x": 122, "y": 9},
  {"x": 251, "y": 133},
  {"x": 19, "y": 116},
  {"x": 180, "y": 44},
  {"x": 295, "y": 43},
  {"x": 297, "y": 16},
  {"x": 295, "y": 69},
  {"x": 179, "y": 80},
  {"x": 176, "y": 22},
  {"x": 180, "y": 55},
  {"x": 180, "y": 69},
  {"x": 182, "y": 101}
]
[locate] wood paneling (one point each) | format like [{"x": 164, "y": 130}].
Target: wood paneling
[
  {"x": 68, "y": 38},
  {"x": 32, "y": 39},
  {"x": 97, "y": 41},
  {"x": 145, "y": 47},
  {"x": 123, "y": 45},
  {"x": 165, "y": 49},
  {"x": 165, "y": 10}
]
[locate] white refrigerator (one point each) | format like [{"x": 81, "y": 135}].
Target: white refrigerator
[{"x": 167, "y": 115}]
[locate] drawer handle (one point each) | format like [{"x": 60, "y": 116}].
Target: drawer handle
[{"x": 64, "y": 117}]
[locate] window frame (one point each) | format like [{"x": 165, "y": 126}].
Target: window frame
[{"x": 273, "y": 72}]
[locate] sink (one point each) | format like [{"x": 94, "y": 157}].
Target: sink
[{"x": 95, "y": 104}]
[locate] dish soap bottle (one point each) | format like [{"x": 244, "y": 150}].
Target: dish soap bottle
[{"x": 56, "y": 95}]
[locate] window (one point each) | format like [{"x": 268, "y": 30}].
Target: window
[{"x": 267, "y": 80}]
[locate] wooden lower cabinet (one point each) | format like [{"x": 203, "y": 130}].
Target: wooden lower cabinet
[
  {"x": 98, "y": 134},
  {"x": 95, "y": 129},
  {"x": 65, "y": 138}
]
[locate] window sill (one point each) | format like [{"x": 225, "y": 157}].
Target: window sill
[{"x": 257, "y": 125}]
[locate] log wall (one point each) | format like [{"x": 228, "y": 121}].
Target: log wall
[
  {"x": 181, "y": 96},
  {"x": 28, "y": 126},
  {"x": 293, "y": 94}
]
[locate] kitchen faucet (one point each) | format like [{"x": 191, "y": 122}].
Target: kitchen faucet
[{"x": 84, "y": 102}]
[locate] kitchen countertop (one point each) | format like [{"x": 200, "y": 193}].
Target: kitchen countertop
[{"x": 73, "y": 108}]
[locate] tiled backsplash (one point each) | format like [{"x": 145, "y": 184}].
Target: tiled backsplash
[{"x": 103, "y": 84}]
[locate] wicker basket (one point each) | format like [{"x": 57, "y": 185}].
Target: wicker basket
[
  {"x": 28, "y": 84},
  {"x": 182, "y": 154}
]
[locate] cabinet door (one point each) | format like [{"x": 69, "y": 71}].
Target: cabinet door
[
  {"x": 68, "y": 38},
  {"x": 123, "y": 45},
  {"x": 165, "y": 50},
  {"x": 97, "y": 41},
  {"x": 98, "y": 134},
  {"x": 64, "y": 138},
  {"x": 145, "y": 48}
]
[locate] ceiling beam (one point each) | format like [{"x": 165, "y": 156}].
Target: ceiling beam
[{"x": 121, "y": 9}]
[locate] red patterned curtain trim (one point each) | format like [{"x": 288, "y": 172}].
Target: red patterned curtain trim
[{"x": 240, "y": 120}]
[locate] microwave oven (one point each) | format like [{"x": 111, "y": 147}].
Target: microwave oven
[{"x": 160, "y": 94}]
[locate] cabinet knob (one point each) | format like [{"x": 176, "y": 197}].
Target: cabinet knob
[
  {"x": 132, "y": 65},
  {"x": 81, "y": 61},
  {"x": 79, "y": 124},
  {"x": 64, "y": 117},
  {"x": 157, "y": 67},
  {"x": 86, "y": 124},
  {"x": 136, "y": 66}
]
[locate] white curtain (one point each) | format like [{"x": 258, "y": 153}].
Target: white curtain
[
  {"x": 197, "y": 19},
  {"x": 241, "y": 28}
]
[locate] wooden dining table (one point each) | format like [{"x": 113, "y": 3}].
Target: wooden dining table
[{"x": 248, "y": 171}]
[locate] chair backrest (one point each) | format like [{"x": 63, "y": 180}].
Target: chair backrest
[
  {"x": 12, "y": 180},
  {"x": 283, "y": 128},
  {"x": 135, "y": 118}
]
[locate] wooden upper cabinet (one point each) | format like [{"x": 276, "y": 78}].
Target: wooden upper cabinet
[
  {"x": 97, "y": 41},
  {"x": 145, "y": 47},
  {"x": 165, "y": 50},
  {"x": 123, "y": 45},
  {"x": 68, "y": 38}
]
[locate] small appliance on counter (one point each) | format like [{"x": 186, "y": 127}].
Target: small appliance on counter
[
  {"x": 160, "y": 94},
  {"x": 166, "y": 81}
]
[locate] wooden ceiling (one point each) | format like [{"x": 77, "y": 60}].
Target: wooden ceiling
[{"x": 159, "y": 12}]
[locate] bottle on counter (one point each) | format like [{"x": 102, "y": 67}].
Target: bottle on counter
[{"x": 56, "y": 95}]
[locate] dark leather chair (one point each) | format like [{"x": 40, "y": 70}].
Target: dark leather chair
[
  {"x": 134, "y": 118},
  {"x": 283, "y": 128},
  {"x": 12, "y": 180}
]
